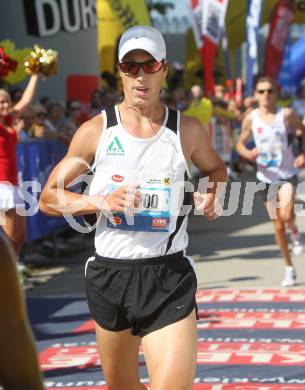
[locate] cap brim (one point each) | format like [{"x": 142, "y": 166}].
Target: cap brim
[{"x": 142, "y": 43}]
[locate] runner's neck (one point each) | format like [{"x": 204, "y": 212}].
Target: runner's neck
[{"x": 265, "y": 111}]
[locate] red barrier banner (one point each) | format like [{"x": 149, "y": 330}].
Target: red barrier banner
[
  {"x": 85, "y": 357},
  {"x": 251, "y": 295},
  {"x": 281, "y": 19},
  {"x": 247, "y": 320},
  {"x": 231, "y": 386}
]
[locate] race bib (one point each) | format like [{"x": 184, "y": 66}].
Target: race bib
[
  {"x": 153, "y": 213},
  {"x": 270, "y": 156}
]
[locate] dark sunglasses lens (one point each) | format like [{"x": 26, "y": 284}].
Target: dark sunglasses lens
[
  {"x": 152, "y": 66},
  {"x": 129, "y": 67},
  {"x": 269, "y": 91}
]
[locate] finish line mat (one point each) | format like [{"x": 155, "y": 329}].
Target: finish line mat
[{"x": 249, "y": 339}]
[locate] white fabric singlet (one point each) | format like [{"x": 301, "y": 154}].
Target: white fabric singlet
[
  {"x": 158, "y": 166},
  {"x": 275, "y": 159}
]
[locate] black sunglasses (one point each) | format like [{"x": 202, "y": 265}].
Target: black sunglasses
[
  {"x": 132, "y": 67},
  {"x": 269, "y": 91}
]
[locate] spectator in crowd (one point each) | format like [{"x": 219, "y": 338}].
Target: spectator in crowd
[
  {"x": 199, "y": 107},
  {"x": 19, "y": 368},
  {"x": 249, "y": 103},
  {"x": 45, "y": 100},
  {"x": 16, "y": 95},
  {"x": 74, "y": 114},
  {"x": 39, "y": 128},
  {"x": 55, "y": 122},
  {"x": 96, "y": 103},
  {"x": 196, "y": 92},
  {"x": 13, "y": 224},
  {"x": 178, "y": 97},
  {"x": 55, "y": 116},
  {"x": 219, "y": 93},
  {"x": 110, "y": 79},
  {"x": 299, "y": 104},
  {"x": 24, "y": 125}
]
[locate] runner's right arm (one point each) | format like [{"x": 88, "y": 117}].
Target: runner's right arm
[
  {"x": 249, "y": 154},
  {"x": 56, "y": 199}
]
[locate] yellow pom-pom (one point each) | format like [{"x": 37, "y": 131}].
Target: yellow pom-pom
[{"x": 41, "y": 61}]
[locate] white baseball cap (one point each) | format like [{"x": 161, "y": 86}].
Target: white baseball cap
[{"x": 144, "y": 38}]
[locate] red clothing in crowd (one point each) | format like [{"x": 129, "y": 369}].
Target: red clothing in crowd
[{"x": 8, "y": 160}]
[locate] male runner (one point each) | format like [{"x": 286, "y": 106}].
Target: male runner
[
  {"x": 277, "y": 167},
  {"x": 140, "y": 285}
]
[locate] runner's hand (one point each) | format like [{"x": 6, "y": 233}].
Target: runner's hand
[
  {"x": 125, "y": 198},
  {"x": 208, "y": 204},
  {"x": 253, "y": 153},
  {"x": 299, "y": 162}
]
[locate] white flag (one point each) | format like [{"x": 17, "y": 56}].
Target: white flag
[
  {"x": 213, "y": 18},
  {"x": 195, "y": 13}
]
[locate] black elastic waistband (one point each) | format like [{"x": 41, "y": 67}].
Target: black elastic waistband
[{"x": 143, "y": 261}]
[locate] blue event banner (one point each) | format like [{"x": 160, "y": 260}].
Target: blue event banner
[
  {"x": 36, "y": 159},
  {"x": 254, "y": 8}
]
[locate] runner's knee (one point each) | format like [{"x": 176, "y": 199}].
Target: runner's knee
[
  {"x": 286, "y": 216},
  {"x": 279, "y": 225}
]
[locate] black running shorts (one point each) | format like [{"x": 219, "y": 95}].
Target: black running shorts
[{"x": 141, "y": 294}]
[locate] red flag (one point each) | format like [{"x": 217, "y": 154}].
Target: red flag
[{"x": 281, "y": 18}]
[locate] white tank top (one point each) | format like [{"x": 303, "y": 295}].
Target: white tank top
[
  {"x": 158, "y": 165},
  {"x": 275, "y": 159}
]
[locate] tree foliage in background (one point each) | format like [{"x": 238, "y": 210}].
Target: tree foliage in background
[{"x": 159, "y": 6}]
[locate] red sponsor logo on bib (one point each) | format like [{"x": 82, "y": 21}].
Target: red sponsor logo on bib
[
  {"x": 159, "y": 222},
  {"x": 117, "y": 178},
  {"x": 117, "y": 220}
]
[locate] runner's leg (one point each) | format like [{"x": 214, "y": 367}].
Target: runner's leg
[
  {"x": 284, "y": 214},
  {"x": 170, "y": 355},
  {"x": 118, "y": 352}
]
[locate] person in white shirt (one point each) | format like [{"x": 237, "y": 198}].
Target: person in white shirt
[
  {"x": 140, "y": 284},
  {"x": 277, "y": 167}
]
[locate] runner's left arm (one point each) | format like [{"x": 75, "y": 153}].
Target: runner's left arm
[{"x": 198, "y": 150}]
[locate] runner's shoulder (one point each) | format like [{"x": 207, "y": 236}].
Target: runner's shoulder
[
  {"x": 247, "y": 121},
  {"x": 92, "y": 127},
  {"x": 288, "y": 111},
  {"x": 91, "y": 131},
  {"x": 190, "y": 126}
]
